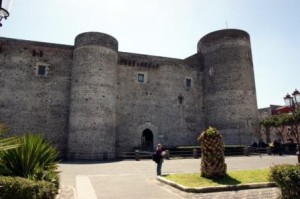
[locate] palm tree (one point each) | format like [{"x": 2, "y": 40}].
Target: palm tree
[{"x": 212, "y": 154}]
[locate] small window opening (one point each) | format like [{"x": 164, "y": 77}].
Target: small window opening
[
  {"x": 42, "y": 70},
  {"x": 141, "y": 78},
  {"x": 188, "y": 83}
]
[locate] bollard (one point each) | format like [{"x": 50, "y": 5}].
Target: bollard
[
  {"x": 286, "y": 149},
  {"x": 247, "y": 151},
  {"x": 269, "y": 150},
  {"x": 195, "y": 153},
  {"x": 105, "y": 155},
  {"x": 137, "y": 155}
]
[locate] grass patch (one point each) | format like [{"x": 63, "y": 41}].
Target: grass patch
[{"x": 232, "y": 178}]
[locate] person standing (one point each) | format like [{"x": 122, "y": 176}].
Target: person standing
[{"x": 159, "y": 158}]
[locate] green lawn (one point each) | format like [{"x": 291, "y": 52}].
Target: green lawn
[{"x": 233, "y": 178}]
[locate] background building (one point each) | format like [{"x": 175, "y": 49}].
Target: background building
[{"x": 284, "y": 134}]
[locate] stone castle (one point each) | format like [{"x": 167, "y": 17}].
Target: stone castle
[{"x": 94, "y": 102}]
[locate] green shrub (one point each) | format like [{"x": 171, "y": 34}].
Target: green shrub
[
  {"x": 35, "y": 159},
  {"x": 21, "y": 188},
  {"x": 287, "y": 177}
]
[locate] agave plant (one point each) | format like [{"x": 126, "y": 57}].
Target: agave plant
[
  {"x": 35, "y": 159},
  {"x": 7, "y": 143}
]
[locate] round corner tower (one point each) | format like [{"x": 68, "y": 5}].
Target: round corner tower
[
  {"x": 92, "y": 109},
  {"x": 229, "y": 87}
]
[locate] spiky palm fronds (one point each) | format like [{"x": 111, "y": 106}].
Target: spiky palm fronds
[
  {"x": 7, "y": 143},
  {"x": 35, "y": 159},
  {"x": 212, "y": 150}
]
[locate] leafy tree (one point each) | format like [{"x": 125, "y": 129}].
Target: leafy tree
[
  {"x": 280, "y": 121},
  {"x": 294, "y": 121},
  {"x": 266, "y": 125},
  {"x": 279, "y": 124}
]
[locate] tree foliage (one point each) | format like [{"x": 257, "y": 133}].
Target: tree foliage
[{"x": 278, "y": 122}]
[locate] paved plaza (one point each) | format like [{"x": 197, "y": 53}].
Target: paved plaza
[{"x": 137, "y": 179}]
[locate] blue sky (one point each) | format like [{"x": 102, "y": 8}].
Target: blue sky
[{"x": 172, "y": 28}]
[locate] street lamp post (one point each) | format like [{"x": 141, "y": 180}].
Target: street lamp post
[
  {"x": 4, "y": 9},
  {"x": 294, "y": 104}
]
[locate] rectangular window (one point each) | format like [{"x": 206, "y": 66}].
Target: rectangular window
[
  {"x": 188, "y": 83},
  {"x": 141, "y": 78},
  {"x": 42, "y": 70}
]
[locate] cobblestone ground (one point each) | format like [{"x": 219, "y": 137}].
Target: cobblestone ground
[
  {"x": 67, "y": 192},
  {"x": 137, "y": 179},
  {"x": 266, "y": 193},
  {"x": 263, "y": 193}
]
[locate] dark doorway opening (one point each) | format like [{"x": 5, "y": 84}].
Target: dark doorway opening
[{"x": 147, "y": 140}]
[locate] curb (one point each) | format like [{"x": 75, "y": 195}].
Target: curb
[{"x": 217, "y": 188}]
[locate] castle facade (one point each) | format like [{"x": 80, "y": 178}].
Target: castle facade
[{"x": 94, "y": 102}]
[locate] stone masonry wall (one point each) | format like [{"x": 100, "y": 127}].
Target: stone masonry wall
[
  {"x": 229, "y": 88},
  {"x": 92, "y": 132},
  {"x": 35, "y": 103},
  {"x": 94, "y": 102},
  {"x": 154, "y": 104}
]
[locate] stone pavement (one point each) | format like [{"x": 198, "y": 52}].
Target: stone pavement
[{"x": 137, "y": 179}]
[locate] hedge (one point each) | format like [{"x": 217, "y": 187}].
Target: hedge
[
  {"x": 287, "y": 178},
  {"x": 21, "y": 188}
]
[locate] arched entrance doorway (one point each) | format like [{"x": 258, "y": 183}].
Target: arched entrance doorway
[{"x": 147, "y": 140}]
